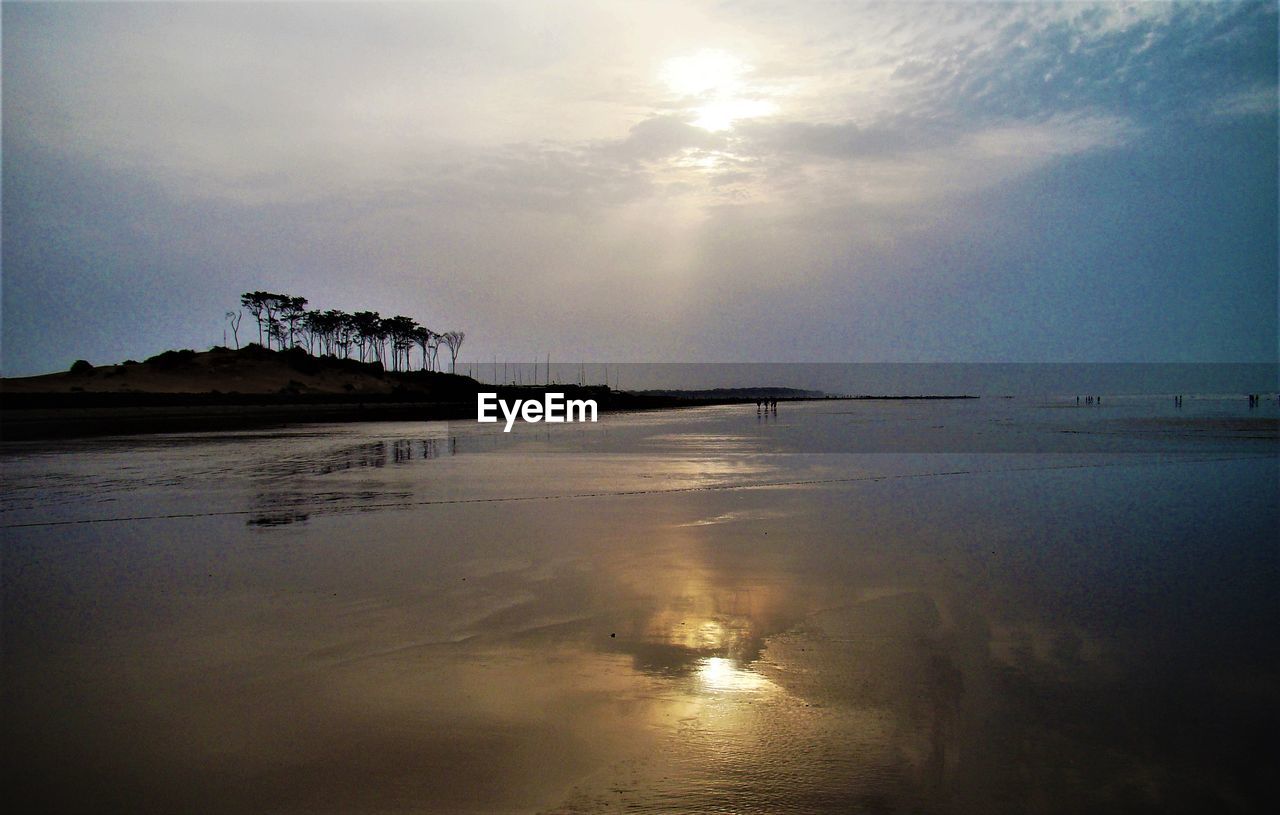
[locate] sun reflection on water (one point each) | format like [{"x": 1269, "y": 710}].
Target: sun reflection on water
[{"x": 722, "y": 675}]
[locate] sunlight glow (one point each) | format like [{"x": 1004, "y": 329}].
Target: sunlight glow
[
  {"x": 706, "y": 72},
  {"x": 721, "y": 115},
  {"x": 713, "y": 84},
  {"x": 721, "y": 674}
]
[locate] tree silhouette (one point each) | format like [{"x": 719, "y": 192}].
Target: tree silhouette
[
  {"x": 380, "y": 335},
  {"x": 267, "y": 307},
  {"x": 453, "y": 341},
  {"x": 433, "y": 345},
  {"x": 365, "y": 326},
  {"x": 270, "y": 309},
  {"x": 309, "y": 329},
  {"x": 422, "y": 336},
  {"x": 284, "y": 322},
  {"x": 399, "y": 330},
  {"x": 234, "y": 318},
  {"x": 255, "y": 302},
  {"x": 292, "y": 310}
]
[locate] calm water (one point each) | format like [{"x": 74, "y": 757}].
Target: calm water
[{"x": 982, "y": 606}]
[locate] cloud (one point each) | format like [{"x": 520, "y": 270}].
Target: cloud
[
  {"x": 1257, "y": 101},
  {"x": 1146, "y": 62},
  {"x": 484, "y": 159},
  {"x": 849, "y": 140},
  {"x": 664, "y": 136},
  {"x": 283, "y": 103}
]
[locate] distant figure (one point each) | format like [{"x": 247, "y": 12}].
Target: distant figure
[
  {"x": 1077, "y": 401},
  {"x": 757, "y": 406},
  {"x": 774, "y": 405}
]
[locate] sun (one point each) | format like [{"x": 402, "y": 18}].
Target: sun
[
  {"x": 704, "y": 73},
  {"x": 713, "y": 86}
]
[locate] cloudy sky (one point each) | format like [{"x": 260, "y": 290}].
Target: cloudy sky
[{"x": 695, "y": 181}]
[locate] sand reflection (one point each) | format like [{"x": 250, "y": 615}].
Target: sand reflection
[{"x": 801, "y": 649}]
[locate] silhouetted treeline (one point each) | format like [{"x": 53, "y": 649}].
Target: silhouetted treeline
[{"x": 285, "y": 322}]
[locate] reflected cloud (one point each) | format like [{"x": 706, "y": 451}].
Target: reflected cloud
[
  {"x": 703, "y": 625},
  {"x": 904, "y": 644}
]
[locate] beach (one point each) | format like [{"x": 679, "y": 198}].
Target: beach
[
  {"x": 526, "y": 408},
  {"x": 979, "y": 606}
]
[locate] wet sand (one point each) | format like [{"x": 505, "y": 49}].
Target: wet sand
[{"x": 658, "y": 613}]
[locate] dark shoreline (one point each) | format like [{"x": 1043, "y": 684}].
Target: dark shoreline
[
  {"x": 29, "y": 417},
  {"x": 35, "y": 416},
  {"x": 253, "y": 388}
]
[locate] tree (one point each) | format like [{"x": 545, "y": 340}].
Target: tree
[
  {"x": 399, "y": 330},
  {"x": 365, "y": 327},
  {"x": 266, "y": 308},
  {"x": 234, "y": 318},
  {"x": 344, "y": 332},
  {"x": 284, "y": 322},
  {"x": 255, "y": 302},
  {"x": 292, "y": 310},
  {"x": 380, "y": 337},
  {"x": 274, "y": 308},
  {"x": 433, "y": 346},
  {"x": 423, "y": 336},
  {"x": 453, "y": 341},
  {"x": 276, "y": 331},
  {"x": 310, "y": 329}
]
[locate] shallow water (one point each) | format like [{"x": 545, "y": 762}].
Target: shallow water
[{"x": 986, "y": 606}]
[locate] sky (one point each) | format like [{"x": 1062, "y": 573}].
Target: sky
[{"x": 648, "y": 182}]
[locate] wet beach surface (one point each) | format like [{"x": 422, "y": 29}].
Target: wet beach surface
[{"x": 993, "y": 606}]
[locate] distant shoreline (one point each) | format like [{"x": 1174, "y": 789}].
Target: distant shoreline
[
  {"x": 36, "y": 416},
  {"x": 252, "y": 388}
]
